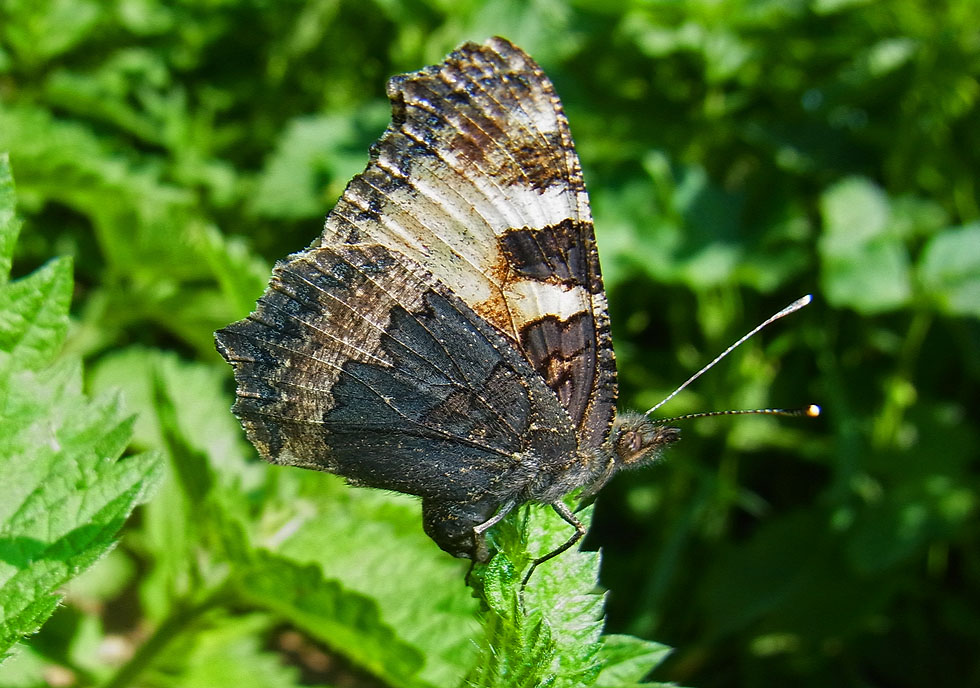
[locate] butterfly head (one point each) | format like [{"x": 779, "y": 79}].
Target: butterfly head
[{"x": 637, "y": 440}]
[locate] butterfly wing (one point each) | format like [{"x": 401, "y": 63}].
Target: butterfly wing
[
  {"x": 355, "y": 362},
  {"x": 477, "y": 179}
]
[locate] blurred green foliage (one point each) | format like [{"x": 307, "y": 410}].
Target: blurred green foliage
[{"x": 738, "y": 155}]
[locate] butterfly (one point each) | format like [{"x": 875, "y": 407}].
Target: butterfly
[{"x": 447, "y": 334}]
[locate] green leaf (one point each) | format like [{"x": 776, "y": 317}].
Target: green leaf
[
  {"x": 346, "y": 621},
  {"x": 310, "y": 152},
  {"x": 241, "y": 275},
  {"x": 229, "y": 652},
  {"x": 66, "y": 490},
  {"x": 865, "y": 265},
  {"x": 950, "y": 270},
  {"x": 39, "y": 31},
  {"x": 203, "y": 503},
  {"x": 550, "y": 634},
  {"x": 517, "y": 648},
  {"x": 34, "y": 317},
  {"x": 161, "y": 256},
  {"x": 627, "y": 660},
  {"x": 33, "y": 310},
  {"x": 9, "y": 225},
  {"x": 357, "y": 537},
  {"x": 200, "y": 406},
  {"x": 24, "y": 669}
]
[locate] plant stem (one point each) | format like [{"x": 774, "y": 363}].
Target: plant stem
[{"x": 179, "y": 619}]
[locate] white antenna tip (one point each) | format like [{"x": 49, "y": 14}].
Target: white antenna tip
[
  {"x": 793, "y": 307},
  {"x": 812, "y": 411}
]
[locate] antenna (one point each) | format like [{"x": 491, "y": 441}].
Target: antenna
[{"x": 812, "y": 411}]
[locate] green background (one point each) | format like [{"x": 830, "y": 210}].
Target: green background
[{"x": 738, "y": 155}]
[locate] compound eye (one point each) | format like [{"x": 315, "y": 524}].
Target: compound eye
[
  {"x": 640, "y": 441},
  {"x": 634, "y": 441},
  {"x": 628, "y": 444}
]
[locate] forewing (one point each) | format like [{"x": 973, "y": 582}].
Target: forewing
[
  {"x": 478, "y": 179},
  {"x": 358, "y": 363}
]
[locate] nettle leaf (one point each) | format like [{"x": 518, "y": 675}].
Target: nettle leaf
[
  {"x": 34, "y": 316},
  {"x": 552, "y": 633},
  {"x": 358, "y": 537},
  {"x": 203, "y": 505},
  {"x": 566, "y": 591},
  {"x": 626, "y": 660},
  {"x": 230, "y": 651},
  {"x": 345, "y": 620},
  {"x": 66, "y": 490}
]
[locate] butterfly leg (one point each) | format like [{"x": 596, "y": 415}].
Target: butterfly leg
[
  {"x": 478, "y": 531},
  {"x": 495, "y": 519},
  {"x": 569, "y": 518}
]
